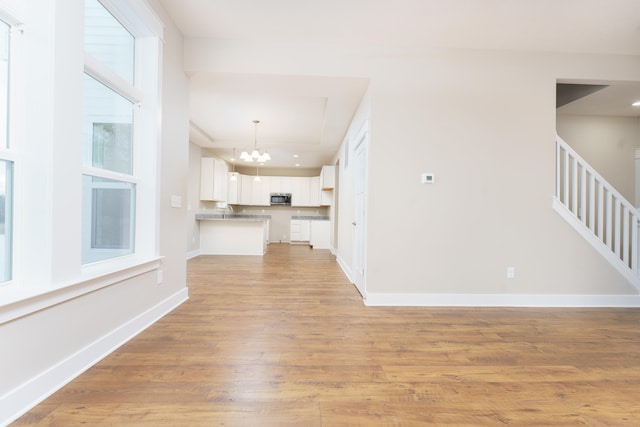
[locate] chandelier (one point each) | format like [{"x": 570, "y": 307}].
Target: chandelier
[{"x": 256, "y": 155}]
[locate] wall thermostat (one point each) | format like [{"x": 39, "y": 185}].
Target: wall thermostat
[{"x": 428, "y": 178}]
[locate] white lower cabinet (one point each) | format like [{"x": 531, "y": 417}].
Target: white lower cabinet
[
  {"x": 315, "y": 232},
  {"x": 300, "y": 230},
  {"x": 320, "y": 235}
]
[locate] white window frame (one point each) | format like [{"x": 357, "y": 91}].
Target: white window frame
[
  {"x": 14, "y": 131},
  {"x": 143, "y": 138}
]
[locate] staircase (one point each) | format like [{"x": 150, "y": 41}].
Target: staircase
[{"x": 597, "y": 211}]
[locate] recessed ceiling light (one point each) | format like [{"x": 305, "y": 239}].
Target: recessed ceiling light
[
  {"x": 297, "y": 164},
  {"x": 296, "y": 156},
  {"x": 636, "y": 104}
]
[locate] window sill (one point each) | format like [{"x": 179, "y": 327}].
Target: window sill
[{"x": 16, "y": 301}]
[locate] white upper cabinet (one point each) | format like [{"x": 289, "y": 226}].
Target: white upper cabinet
[
  {"x": 305, "y": 191},
  {"x": 328, "y": 177},
  {"x": 213, "y": 180},
  {"x": 280, "y": 184},
  {"x": 314, "y": 191},
  {"x": 260, "y": 195},
  {"x": 299, "y": 191},
  {"x": 233, "y": 193}
]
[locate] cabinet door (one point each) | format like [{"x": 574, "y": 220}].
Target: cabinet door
[
  {"x": 207, "y": 168},
  {"x": 233, "y": 188},
  {"x": 286, "y": 184},
  {"x": 328, "y": 177},
  {"x": 305, "y": 230},
  {"x": 299, "y": 191},
  {"x": 260, "y": 191},
  {"x": 320, "y": 234},
  {"x": 245, "y": 189},
  {"x": 275, "y": 184},
  {"x": 213, "y": 180},
  {"x": 220, "y": 187},
  {"x": 314, "y": 191},
  {"x": 294, "y": 230}
]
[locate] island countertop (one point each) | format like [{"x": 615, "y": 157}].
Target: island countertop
[
  {"x": 311, "y": 217},
  {"x": 231, "y": 217}
]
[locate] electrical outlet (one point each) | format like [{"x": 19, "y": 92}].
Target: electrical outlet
[{"x": 511, "y": 272}]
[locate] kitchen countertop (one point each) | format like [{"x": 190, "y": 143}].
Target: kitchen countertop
[
  {"x": 231, "y": 217},
  {"x": 311, "y": 217}
]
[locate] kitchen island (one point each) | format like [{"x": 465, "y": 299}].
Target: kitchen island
[{"x": 233, "y": 234}]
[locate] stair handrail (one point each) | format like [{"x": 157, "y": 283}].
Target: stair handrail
[{"x": 613, "y": 226}]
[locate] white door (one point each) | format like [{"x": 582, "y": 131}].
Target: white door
[{"x": 360, "y": 215}]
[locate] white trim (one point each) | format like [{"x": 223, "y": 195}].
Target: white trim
[
  {"x": 501, "y": 300},
  {"x": 20, "y": 301},
  {"x": 112, "y": 80},
  {"x": 345, "y": 268},
  {"x": 19, "y": 400},
  {"x": 137, "y": 17}
]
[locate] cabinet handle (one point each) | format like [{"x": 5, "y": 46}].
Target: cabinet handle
[{"x": 353, "y": 223}]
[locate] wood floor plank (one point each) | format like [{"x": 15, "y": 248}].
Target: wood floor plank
[{"x": 284, "y": 340}]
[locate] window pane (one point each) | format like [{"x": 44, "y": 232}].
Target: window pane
[
  {"x": 108, "y": 129},
  {"x": 4, "y": 84},
  {"x": 108, "y": 41},
  {"x": 6, "y": 202},
  {"x": 109, "y": 214}
]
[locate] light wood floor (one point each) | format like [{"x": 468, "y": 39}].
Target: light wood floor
[{"x": 285, "y": 340}]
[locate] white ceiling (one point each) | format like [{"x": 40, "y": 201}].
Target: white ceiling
[
  {"x": 309, "y": 115},
  {"x": 302, "y": 115}
]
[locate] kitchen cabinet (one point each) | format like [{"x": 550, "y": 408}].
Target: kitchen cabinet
[
  {"x": 252, "y": 192},
  {"x": 314, "y": 191},
  {"x": 305, "y": 191},
  {"x": 280, "y": 184},
  {"x": 320, "y": 234},
  {"x": 316, "y": 232},
  {"x": 299, "y": 191},
  {"x": 327, "y": 184},
  {"x": 328, "y": 178},
  {"x": 300, "y": 230},
  {"x": 213, "y": 180},
  {"x": 260, "y": 195},
  {"x": 233, "y": 191}
]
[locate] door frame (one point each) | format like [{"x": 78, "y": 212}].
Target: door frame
[{"x": 360, "y": 160}]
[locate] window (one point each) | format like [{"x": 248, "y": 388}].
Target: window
[
  {"x": 6, "y": 164},
  {"x": 108, "y": 41},
  {"x": 109, "y": 181}
]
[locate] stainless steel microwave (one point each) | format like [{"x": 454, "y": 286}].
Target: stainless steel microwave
[{"x": 281, "y": 199}]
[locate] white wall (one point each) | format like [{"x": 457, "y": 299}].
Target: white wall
[
  {"x": 483, "y": 122},
  {"x": 608, "y": 144}
]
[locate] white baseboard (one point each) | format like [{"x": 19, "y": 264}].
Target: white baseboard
[
  {"x": 345, "y": 268},
  {"x": 18, "y": 401},
  {"x": 192, "y": 254},
  {"x": 501, "y": 300}
]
